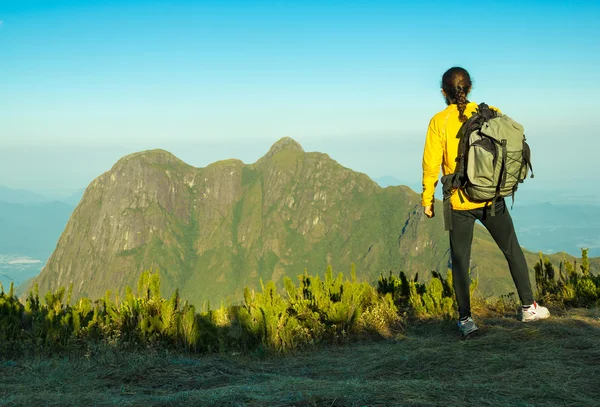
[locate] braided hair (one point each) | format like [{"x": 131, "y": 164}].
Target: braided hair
[{"x": 456, "y": 83}]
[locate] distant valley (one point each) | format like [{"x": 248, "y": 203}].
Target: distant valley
[
  {"x": 30, "y": 226},
  {"x": 555, "y": 227},
  {"x": 17, "y": 270}
]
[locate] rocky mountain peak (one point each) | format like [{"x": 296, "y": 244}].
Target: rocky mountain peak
[
  {"x": 285, "y": 143},
  {"x": 157, "y": 156}
]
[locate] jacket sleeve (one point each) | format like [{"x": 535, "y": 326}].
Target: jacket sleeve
[{"x": 432, "y": 162}]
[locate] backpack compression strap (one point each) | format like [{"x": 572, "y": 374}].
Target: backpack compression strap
[{"x": 502, "y": 181}]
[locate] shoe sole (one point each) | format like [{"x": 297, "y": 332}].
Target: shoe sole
[
  {"x": 471, "y": 334},
  {"x": 535, "y": 319}
]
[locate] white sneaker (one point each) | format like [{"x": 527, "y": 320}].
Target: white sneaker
[
  {"x": 534, "y": 312},
  {"x": 467, "y": 327}
]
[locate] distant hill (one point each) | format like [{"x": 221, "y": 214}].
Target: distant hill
[
  {"x": 213, "y": 231},
  {"x": 19, "y": 196},
  {"x": 32, "y": 229},
  {"x": 387, "y": 181},
  {"x": 557, "y": 226},
  {"x": 23, "y": 196},
  {"x": 28, "y": 235},
  {"x": 74, "y": 198}
]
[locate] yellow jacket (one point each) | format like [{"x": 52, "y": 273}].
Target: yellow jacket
[{"x": 441, "y": 150}]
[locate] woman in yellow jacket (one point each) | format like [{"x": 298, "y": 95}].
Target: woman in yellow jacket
[{"x": 441, "y": 150}]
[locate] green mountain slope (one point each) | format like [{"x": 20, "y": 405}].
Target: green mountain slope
[{"x": 213, "y": 231}]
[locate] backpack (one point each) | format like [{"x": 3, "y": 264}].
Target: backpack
[{"x": 493, "y": 159}]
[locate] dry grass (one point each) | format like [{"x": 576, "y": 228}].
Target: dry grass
[{"x": 549, "y": 363}]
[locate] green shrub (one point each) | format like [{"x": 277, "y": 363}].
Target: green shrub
[
  {"x": 309, "y": 312},
  {"x": 303, "y": 314},
  {"x": 434, "y": 299},
  {"x": 571, "y": 287}
]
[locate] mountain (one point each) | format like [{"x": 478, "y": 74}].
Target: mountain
[
  {"x": 20, "y": 196},
  {"x": 213, "y": 231},
  {"x": 73, "y": 199},
  {"x": 388, "y": 181}
]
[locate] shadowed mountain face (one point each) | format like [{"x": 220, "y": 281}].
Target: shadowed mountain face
[{"x": 213, "y": 231}]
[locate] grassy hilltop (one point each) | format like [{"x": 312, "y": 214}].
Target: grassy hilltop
[{"x": 550, "y": 363}]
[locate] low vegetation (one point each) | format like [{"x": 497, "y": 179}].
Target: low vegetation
[
  {"x": 551, "y": 363},
  {"x": 570, "y": 286},
  {"x": 312, "y": 311},
  {"x": 142, "y": 349}
]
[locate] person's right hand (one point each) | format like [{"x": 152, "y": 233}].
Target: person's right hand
[{"x": 429, "y": 211}]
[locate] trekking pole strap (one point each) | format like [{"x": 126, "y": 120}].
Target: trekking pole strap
[{"x": 447, "y": 215}]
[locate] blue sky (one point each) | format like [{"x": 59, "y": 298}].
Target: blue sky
[{"x": 83, "y": 83}]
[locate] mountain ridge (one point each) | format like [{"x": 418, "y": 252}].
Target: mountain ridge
[{"x": 215, "y": 230}]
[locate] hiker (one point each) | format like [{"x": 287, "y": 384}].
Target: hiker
[{"x": 441, "y": 150}]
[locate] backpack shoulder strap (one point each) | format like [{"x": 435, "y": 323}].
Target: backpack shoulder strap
[
  {"x": 484, "y": 111},
  {"x": 473, "y": 123}
]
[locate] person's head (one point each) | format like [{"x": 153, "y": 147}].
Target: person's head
[{"x": 456, "y": 85}]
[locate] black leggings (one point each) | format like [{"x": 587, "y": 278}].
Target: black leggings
[{"x": 502, "y": 230}]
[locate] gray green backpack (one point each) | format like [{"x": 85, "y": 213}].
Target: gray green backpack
[{"x": 493, "y": 159}]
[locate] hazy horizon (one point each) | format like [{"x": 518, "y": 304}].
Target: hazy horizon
[
  {"x": 350, "y": 155},
  {"x": 87, "y": 82}
]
